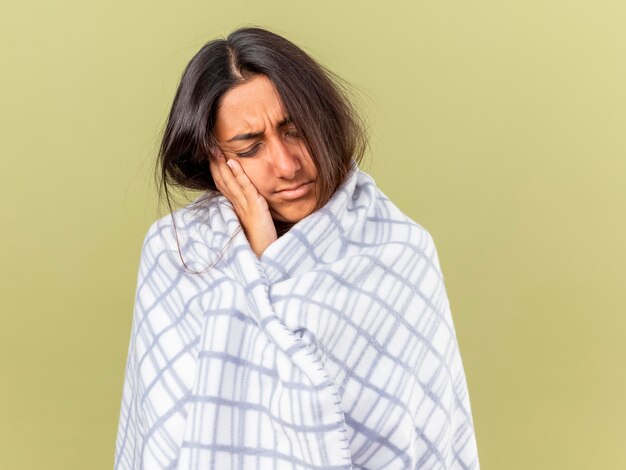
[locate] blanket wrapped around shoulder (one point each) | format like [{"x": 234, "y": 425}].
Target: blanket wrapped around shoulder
[{"x": 333, "y": 349}]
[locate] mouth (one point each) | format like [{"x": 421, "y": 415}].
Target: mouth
[{"x": 295, "y": 192}]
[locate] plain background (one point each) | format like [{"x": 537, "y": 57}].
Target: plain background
[{"x": 499, "y": 126}]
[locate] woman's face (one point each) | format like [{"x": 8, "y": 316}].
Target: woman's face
[{"x": 253, "y": 128}]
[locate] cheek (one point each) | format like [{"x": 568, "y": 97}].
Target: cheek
[{"x": 309, "y": 163}]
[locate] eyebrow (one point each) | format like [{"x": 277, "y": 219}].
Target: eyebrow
[{"x": 253, "y": 135}]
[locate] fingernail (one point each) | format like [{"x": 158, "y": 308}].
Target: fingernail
[{"x": 230, "y": 163}]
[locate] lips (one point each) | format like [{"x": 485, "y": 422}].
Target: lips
[
  {"x": 291, "y": 188},
  {"x": 295, "y": 191}
]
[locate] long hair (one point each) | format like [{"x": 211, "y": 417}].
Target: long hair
[{"x": 315, "y": 99}]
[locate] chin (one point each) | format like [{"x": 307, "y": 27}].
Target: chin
[{"x": 292, "y": 215}]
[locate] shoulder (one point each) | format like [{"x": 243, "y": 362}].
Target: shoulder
[
  {"x": 191, "y": 233},
  {"x": 391, "y": 224}
]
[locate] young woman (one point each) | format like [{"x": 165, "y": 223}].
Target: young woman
[{"x": 292, "y": 316}]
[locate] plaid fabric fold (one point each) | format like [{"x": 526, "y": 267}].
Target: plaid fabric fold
[{"x": 335, "y": 349}]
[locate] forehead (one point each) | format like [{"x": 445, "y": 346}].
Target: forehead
[{"x": 249, "y": 107}]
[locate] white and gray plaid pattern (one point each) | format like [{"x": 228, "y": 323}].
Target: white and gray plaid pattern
[{"x": 334, "y": 349}]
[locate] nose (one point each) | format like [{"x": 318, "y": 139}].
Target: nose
[{"x": 286, "y": 160}]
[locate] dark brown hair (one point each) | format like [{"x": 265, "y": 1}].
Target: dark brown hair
[{"x": 315, "y": 99}]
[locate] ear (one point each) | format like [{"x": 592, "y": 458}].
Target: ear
[{"x": 215, "y": 152}]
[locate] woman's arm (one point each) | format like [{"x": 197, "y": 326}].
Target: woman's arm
[
  {"x": 162, "y": 355},
  {"x": 251, "y": 208}
]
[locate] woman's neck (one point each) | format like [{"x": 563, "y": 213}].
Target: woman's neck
[{"x": 282, "y": 227}]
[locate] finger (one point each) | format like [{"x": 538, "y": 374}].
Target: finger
[
  {"x": 215, "y": 170},
  {"x": 222, "y": 174},
  {"x": 247, "y": 188},
  {"x": 229, "y": 186},
  {"x": 232, "y": 185}
]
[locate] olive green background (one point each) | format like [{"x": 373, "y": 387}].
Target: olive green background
[{"x": 497, "y": 125}]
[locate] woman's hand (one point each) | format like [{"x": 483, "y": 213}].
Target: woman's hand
[{"x": 251, "y": 208}]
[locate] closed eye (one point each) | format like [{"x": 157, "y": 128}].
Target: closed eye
[
  {"x": 249, "y": 153},
  {"x": 292, "y": 133}
]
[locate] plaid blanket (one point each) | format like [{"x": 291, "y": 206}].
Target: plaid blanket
[{"x": 335, "y": 349}]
